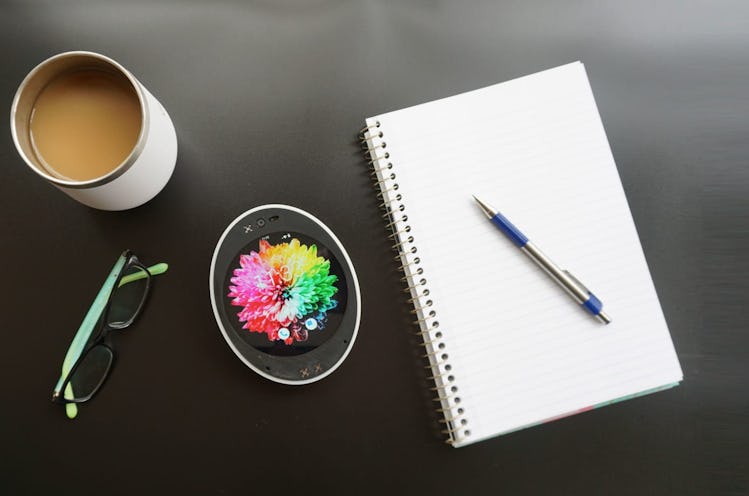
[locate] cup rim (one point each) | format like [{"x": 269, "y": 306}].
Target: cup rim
[{"x": 125, "y": 165}]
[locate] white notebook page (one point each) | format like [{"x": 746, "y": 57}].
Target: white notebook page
[{"x": 521, "y": 350}]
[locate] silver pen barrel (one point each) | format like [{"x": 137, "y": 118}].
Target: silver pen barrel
[{"x": 566, "y": 280}]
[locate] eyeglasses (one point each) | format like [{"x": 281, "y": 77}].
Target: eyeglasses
[{"x": 90, "y": 356}]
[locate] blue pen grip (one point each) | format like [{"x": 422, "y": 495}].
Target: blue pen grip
[
  {"x": 510, "y": 230},
  {"x": 593, "y": 304}
]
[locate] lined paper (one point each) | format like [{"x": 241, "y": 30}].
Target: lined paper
[{"x": 521, "y": 351}]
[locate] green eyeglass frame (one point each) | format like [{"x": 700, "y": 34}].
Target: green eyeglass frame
[{"x": 95, "y": 327}]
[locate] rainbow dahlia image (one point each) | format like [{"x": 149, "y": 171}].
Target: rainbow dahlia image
[{"x": 284, "y": 290}]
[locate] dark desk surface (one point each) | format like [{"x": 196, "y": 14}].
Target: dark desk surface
[{"x": 267, "y": 97}]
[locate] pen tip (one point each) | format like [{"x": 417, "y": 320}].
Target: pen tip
[{"x": 489, "y": 211}]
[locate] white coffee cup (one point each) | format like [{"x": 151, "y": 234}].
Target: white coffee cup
[{"x": 139, "y": 177}]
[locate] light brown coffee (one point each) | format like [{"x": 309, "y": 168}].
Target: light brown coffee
[{"x": 85, "y": 123}]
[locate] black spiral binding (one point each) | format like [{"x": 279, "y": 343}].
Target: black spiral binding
[{"x": 384, "y": 178}]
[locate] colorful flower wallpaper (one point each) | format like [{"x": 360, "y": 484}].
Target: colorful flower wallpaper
[{"x": 283, "y": 290}]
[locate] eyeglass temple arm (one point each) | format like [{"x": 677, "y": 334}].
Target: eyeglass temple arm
[
  {"x": 154, "y": 270},
  {"x": 81, "y": 337}
]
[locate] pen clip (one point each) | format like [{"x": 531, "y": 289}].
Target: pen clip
[{"x": 574, "y": 279}]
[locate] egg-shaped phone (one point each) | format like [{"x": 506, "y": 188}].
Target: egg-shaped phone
[{"x": 285, "y": 294}]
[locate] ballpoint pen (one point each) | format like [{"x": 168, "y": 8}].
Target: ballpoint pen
[{"x": 563, "y": 278}]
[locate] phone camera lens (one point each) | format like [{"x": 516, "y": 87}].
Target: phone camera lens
[{"x": 261, "y": 223}]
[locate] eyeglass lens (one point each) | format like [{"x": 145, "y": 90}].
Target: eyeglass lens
[
  {"x": 90, "y": 373},
  {"x": 128, "y": 298}
]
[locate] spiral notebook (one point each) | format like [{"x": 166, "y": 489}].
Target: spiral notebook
[{"x": 506, "y": 347}]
